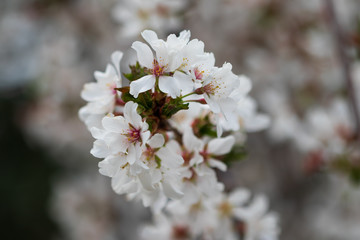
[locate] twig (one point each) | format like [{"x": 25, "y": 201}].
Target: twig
[{"x": 345, "y": 64}]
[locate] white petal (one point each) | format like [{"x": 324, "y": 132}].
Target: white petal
[
  {"x": 149, "y": 36},
  {"x": 100, "y": 149},
  {"x": 146, "y": 181},
  {"x": 184, "y": 81},
  {"x": 116, "y": 142},
  {"x": 219, "y": 127},
  {"x": 134, "y": 153},
  {"x": 156, "y": 176},
  {"x": 97, "y": 133},
  {"x": 243, "y": 88},
  {"x": 110, "y": 165},
  {"x": 162, "y": 54},
  {"x": 217, "y": 164},
  {"x": 145, "y": 136},
  {"x": 221, "y": 146},
  {"x": 168, "y": 85},
  {"x": 156, "y": 141},
  {"x": 191, "y": 142},
  {"x": 196, "y": 159},
  {"x": 169, "y": 155},
  {"x": 109, "y": 75},
  {"x": 239, "y": 196},
  {"x": 91, "y": 92},
  {"x": 115, "y": 124},
  {"x": 116, "y": 58},
  {"x": 144, "y": 54},
  {"x": 142, "y": 85},
  {"x": 257, "y": 123},
  {"x": 214, "y": 106},
  {"x": 170, "y": 191},
  {"x": 131, "y": 115}
]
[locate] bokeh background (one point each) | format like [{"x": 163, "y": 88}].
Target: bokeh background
[{"x": 50, "y": 185}]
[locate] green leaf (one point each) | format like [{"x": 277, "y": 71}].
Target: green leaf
[
  {"x": 136, "y": 72},
  {"x": 172, "y": 106},
  {"x": 237, "y": 153},
  {"x": 203, "y": 127}
]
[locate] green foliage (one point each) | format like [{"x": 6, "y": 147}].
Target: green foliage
[
  {"x": 136, "y": 72},
  {"x": 203, "y": 127},
  {"x": 144, "y": 100},
  {"x": 172, "y": 106},
  {"x": 344, "y": 165},
  {"x": 237, "y": 153}
]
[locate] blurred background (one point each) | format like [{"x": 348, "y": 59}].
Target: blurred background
[{"x": 297, "y": 53}]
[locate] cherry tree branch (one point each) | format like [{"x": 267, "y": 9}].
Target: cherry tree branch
[{"x": 341, "y": 46}]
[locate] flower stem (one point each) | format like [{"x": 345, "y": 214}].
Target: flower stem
[{"x": 186, "y": 95}]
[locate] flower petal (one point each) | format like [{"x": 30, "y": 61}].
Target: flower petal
[
  {"x": 191, "y": 142},
  {"x": 115, "y": 124},
  {"x": 144, "y": 54},
  {"x": 184, "y": 81},
  {"x": 116, "y": 58},
  {"x": 142, "y": 85},
  {"x": 170, "y": 191},
  {"x": 131, "y": 115},
  {"x": 100, "y": 149},
  {"x": 156, "y": 141},
  {"x": 146, "y": 181},
  {"x": 239, "y": 196},
  {"x": 221, "y": 146},
  {"x": 169, "y": 85},
  {"x": 149, "y": 36},
  {"x": 217, "y": 164}
]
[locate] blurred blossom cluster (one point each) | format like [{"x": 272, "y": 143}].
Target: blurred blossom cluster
[{"x": 221, "y": 159}]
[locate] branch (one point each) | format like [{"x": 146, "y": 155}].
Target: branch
[{"x": 338, "y": 34}]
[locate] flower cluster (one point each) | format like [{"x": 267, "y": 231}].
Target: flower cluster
[
  {"x": 138, "y": 15},
  {"x": 229, "y": 217},
  {"x": 161, "y": 136}
]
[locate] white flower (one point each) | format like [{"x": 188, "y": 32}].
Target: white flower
[
  {"x": 155, "y": 176},
  {"x": 101, "y": 95},
  {"x": 218, "y": 86},
  {"x": 327, "y": 129},
  {"x": 245, "y": 118},
  {"x": 160, "y": 66},
  {"x": 226, "y": 205},
  {"x": 162, "y": 178},
  {"x": 207, "y": 152},
  {"x": 127, "y": 134},
  {"x": 138, "y": 15},
  {"x": 184, "y": 119},
  {"x": 259, "y": 224}
]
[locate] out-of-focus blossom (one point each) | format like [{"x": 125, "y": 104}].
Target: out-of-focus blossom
[{"x": 162, "y": 16}]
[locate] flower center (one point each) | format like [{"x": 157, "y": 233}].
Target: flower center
[
  {"x": 157, "y": 69},
  {"x": 187, "y": 156},
  {"x": 225, "y": 209},
  {"x": 112, "y": 87},
  {"x": 149, "y": 153},
  {"x": 133, "y": 134},
  {"x": 198, "y": 74},
  {"x": 211, "y": 88}
]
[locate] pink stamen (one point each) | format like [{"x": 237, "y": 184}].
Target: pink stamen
[
  {"x": 198, "y": 74},
  {"x": 133, "y": 134},
  {"x": 157, "y": 70}
]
